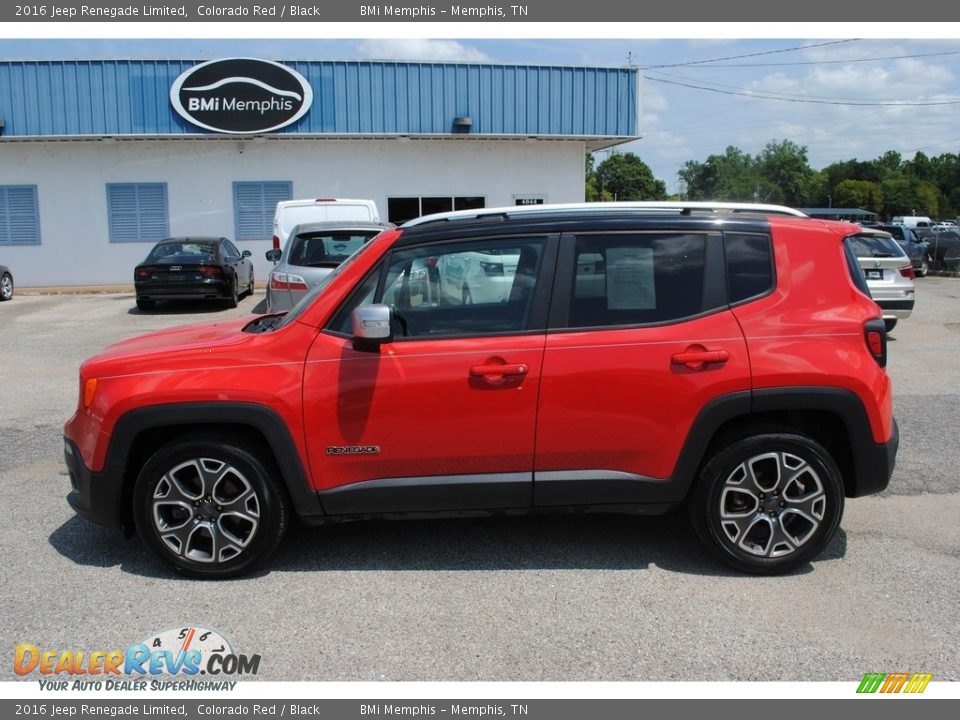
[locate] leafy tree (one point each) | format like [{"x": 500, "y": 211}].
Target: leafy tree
[
  {"x": 731, "y": 176},
  {"x": 859, "y": 194},
  {"x": 592, "y": 183},
  {"x": 626, "y": 177},
  {"x": 784, "y": 167}
]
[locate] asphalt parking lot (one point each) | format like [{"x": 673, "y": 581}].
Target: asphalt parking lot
[{"x": 550, "y": 598}]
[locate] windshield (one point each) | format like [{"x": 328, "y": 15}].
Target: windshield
[{"x": 312, "y": 294}]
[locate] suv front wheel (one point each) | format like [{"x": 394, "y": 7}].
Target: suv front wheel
[
  {"x": 768, "y": 503},
  {"x": 208, "y": 507}
]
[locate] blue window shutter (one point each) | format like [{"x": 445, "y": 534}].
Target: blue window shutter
[
  {"x": 137, "y": 212},
  {"x": 19, "y": 215},
  {"x": 253, "y": 206}
]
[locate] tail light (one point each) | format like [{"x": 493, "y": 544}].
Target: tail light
[
  {"x": 907, "y": 272},
  {"x": 144, "y": 273},
  {"x": 287, "y": 281},
  {"x": 210, "y": 271},
  {"x": 276, "y": 242},
  {"x": 875, "y": 335}
]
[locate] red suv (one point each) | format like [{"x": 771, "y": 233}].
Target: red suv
[{"x": 614, "y": 358}]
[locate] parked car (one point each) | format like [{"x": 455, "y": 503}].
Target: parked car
[
  {"x": 311, "y": 253},
  {"x": 944, "y": 247},
  {"x": 191, "y": 268},
  {"x": 6, "y": 283},
  {"x": 916, "y": 249},
  {"x": 888, "y": 271},
  {"x": 290, "y": 213},
  {"x": 645, "y": 356}
]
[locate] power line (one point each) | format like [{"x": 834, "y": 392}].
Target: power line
[
  {"x": 756, "y": 54},
  {"x": 817, "y": 62},
  {"x": 743, "y": 92}
]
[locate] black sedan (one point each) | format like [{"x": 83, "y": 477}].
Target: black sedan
[{"x": 193, "y": 268}]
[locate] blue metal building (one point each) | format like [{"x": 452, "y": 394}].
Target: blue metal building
[{"x": 87, "y": 145}]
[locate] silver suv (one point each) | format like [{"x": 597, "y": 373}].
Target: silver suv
[
  {"x": 889, "y": 273},
  {"x": 311, "y": 254}
]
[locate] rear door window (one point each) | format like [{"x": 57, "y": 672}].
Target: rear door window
[{"x": 635, "y": 279}]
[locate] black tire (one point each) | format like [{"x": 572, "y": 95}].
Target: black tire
[
  {"x": 924, "y": 267},
  {"x": 751, "y": 514},
  {"x": 889, "y": 323},
  {"x": 6, "y": 287},
  {"x": 178, "y": 516},
  {"x": 234, "y": 299},
  {"x": 146, "y": 304},
  {"x": 251, "y": 287}
]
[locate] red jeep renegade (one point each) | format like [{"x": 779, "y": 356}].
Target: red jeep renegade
[{"x": 617, "y": 358}]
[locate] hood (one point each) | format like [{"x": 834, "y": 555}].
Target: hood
[{"x": 208, "y": 337}]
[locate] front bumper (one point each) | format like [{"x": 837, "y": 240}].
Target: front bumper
[{"x": 98, "y": 497}]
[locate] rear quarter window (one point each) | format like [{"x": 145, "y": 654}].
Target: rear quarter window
[{"x": 749, "y": 262}]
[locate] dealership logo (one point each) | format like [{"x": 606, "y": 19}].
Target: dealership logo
[
  {"x": 188, "y": 651},
  {"x": 241, "y": 95},
  {"x": 894, "y": 682}
]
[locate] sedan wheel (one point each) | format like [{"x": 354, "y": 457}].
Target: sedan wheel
[
  {"x": 234, "y": 298},
  {"x": 6, "y": 286},
  {"x": 209, "y": 508},
  {"x": 768, "y": 503}
]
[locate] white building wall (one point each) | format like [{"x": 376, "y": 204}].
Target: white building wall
[{"x": 71, "y": 178}]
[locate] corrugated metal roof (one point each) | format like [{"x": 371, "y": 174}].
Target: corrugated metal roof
[{"x": 67, "y": 98}]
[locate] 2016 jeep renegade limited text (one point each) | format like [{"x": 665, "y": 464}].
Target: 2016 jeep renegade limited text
[{"x": 616, "y": 358}]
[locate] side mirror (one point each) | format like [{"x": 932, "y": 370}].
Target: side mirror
[
  {"x": 273, "y": 255},
  {"x": 246, "y": 253},
  {"x": 371, "y": 327}
]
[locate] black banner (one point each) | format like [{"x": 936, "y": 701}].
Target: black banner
[
  {"x": 522, "y": 11},
  {"x": 270, "y": 709}
]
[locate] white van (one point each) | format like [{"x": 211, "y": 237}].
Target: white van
[
  {"x": 913, "y": 221},
  {"x": 291, "y": 213}
]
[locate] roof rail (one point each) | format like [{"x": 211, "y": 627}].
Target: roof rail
[{"x": 679, "y": 206}]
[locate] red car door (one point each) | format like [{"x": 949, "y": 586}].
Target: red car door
[
  {"x": 639, "y": 357},
  {"x": 444, "y": 418}
]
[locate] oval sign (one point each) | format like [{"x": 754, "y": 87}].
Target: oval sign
[{"x": 241, "y": 95}]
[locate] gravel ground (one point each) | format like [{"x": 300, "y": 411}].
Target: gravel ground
[{"x": 547, "y": 598}]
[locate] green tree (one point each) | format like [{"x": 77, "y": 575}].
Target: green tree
[
  {"x": 784, "y": 167},
  {"x": 728, "y": 177},
  {"x": 626, "y": 177},
  {"x": 861, "y": 194}
]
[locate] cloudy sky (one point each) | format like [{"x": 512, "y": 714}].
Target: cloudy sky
[{"x": 840, "y": 97}]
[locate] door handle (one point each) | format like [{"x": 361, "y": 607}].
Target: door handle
[
  {"x": 495, "y": 371},
  {"x": 696, "y": 357}
]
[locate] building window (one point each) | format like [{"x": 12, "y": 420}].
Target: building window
[
  {"x": 19, "y": 215},
  {"x": 254, "y": 204},
  {"x": 137, "y": 212},
  {"x": 401, "y": 209}
]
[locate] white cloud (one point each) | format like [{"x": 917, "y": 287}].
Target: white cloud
[{"x": 420, "y": 50}]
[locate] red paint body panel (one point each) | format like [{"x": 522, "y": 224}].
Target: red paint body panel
[
  {"x": 615, "y": 400},
  {"x": 418, "y": 402},
  {"x": 211, "y": 363},
  {"x": 809, "y": 330}
]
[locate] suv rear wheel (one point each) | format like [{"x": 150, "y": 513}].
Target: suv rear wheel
[
  {"x": 768, "y": 503},
  {"x": 208, "y": 507}
]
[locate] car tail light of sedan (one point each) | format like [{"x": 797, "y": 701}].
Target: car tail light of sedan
[
  {"x": 210, "y": 271},
  {"x": 144, "y": 273},
  {"x": 286, "y": 281}
]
